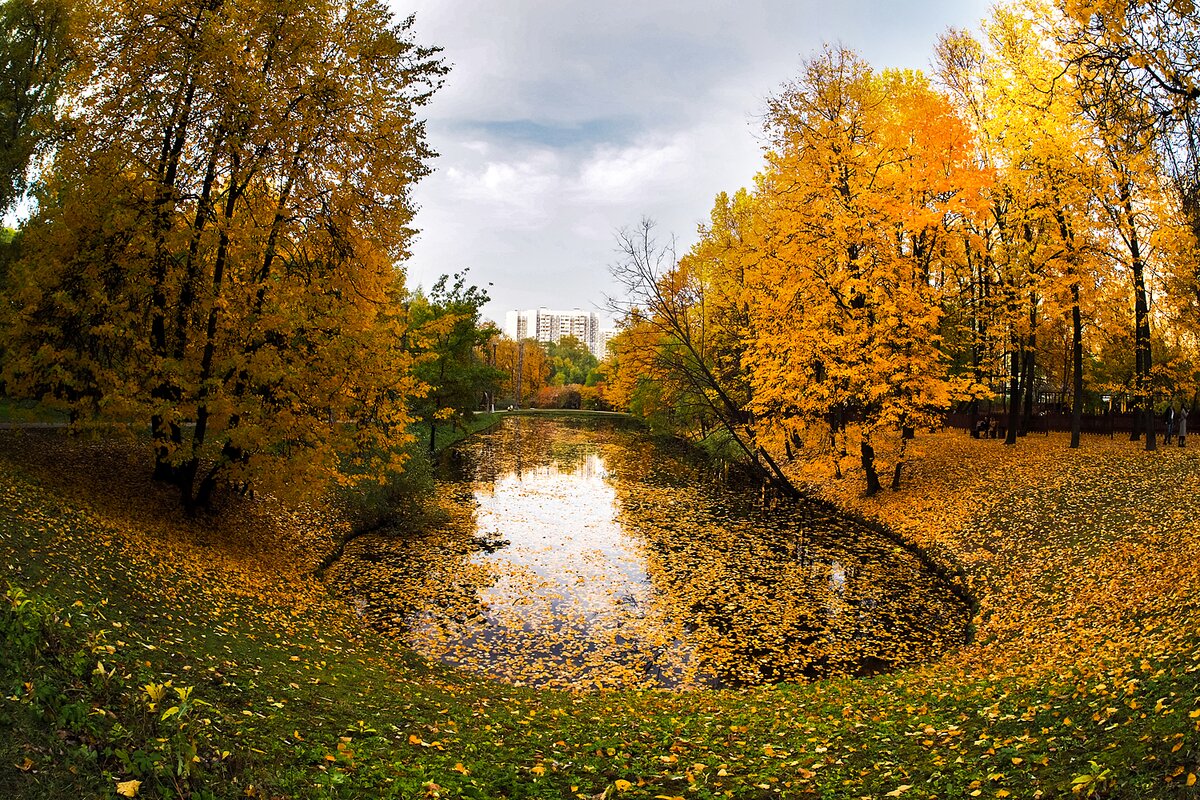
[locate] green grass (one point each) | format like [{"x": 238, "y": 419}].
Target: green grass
[
  {"x": 29, "y": 411},
  {"x": 299, "y": 700},
  {"x": 449, "y": 436}
]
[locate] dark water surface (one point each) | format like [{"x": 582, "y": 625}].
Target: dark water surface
[{"x": 581, "y": 554}]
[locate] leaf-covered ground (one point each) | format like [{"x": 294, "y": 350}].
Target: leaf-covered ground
[{"x": 1082, "y": 679}]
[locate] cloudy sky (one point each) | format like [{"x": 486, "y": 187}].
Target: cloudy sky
[{"x": 563, "y": 121}]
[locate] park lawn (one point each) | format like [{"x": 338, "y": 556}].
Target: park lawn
[
  {"x": 1081, "y": 680},
  {"x": 29, "y": 411}
]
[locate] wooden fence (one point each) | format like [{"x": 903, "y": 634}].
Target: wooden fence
[{"x": 1120, "y": 424}]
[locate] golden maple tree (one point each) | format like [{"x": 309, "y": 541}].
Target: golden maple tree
[
  {"x": 868, "y": 176},
  {"x": 216, "y": 251}
]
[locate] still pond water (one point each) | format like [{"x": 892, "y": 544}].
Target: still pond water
[{"x": 581, "y": 554}]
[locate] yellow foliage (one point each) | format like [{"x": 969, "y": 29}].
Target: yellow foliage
[{"x": 128, "y": 788}]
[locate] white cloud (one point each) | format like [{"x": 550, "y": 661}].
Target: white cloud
[
  {"x": 614, "y": 175},
  {"x": 565, "y": 120},
  {"x": 518, "y": 193}
]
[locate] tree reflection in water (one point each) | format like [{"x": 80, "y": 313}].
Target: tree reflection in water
[{"x": 580, "y": 553}]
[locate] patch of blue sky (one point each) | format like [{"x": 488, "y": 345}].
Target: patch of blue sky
[{"x": 607, "y": 130}]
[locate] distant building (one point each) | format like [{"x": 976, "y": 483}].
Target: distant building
[
  {"x": 546, "y": 325},
  {"x": 606, "y": 335}
]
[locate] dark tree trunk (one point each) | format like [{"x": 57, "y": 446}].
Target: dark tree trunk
[
  {"x": 868, "y": 465},
  {"x": 907, "y": 433},
  {"x": 776, "y": 477},
  {"x": 1076, "y": 366},
  {"x": 839, "y": 452},
  {"x": 185, "y": 477},
  {"x": 1143, "y": 358},
  {"x": 1028, "y": 369},
  {"x": 1027, "y": 381},
  {"x": 1014, "y": 397}
]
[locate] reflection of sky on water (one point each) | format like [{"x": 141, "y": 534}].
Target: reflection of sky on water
[
  {"x": 564, "y": 540},
  {"x": 585, "y": 555}
]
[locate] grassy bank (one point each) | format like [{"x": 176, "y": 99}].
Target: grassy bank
[
  {"x": 1081, "y": 680},
  {"x": 28, "y": 412}
]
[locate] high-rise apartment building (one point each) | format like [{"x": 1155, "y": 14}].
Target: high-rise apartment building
[
  {"x": 546, "y": 325},
  {"x": 605, "y": 336}
]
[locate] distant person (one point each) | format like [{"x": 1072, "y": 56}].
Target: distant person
[
  {"x": 1183, "y": 412},
  {"x": 1169, "y": 419}
]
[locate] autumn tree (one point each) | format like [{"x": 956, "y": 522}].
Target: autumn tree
[
  {"x": 626, "y": 365},
  {"x": 448, "y": 337},
  {"x": 667, "y": 301},
  {"x": 570, "y": 361},
  {"x": 525, "y": 367},
  {"x": 1137, "y": 68},
  {"x": 216, "y": 248},
  {"x": 1151, "y": 51},
  {"x": 1039, "y": 243},
  {"x": 36, "y": 52},
  {"x": 866, "y": 179}
]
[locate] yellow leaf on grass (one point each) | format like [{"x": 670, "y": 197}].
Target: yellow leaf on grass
[
  {"x": 1191, "y": 779},
  {"x": 899, "y": 790},
  {"x": 128, "y": 788},
  {"x": 623, "y": 786},
  {"x": 460, "y": 768}
]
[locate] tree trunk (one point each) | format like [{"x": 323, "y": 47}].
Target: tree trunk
[
  {"x": 1027, "y": 372},
  {"x": 1076, "y": 366},
  {"x": 900, "y": 460},
  {"x": 868, "y": 465},
  {"x": 1014, "y": 395},
  {"x": 186, "y": 474},
  {"x": 1143, "y": 360},
  {"x": 838, "y": 453},
  {"x": 1029, "y": 367},
  {"x": 777, "y": 478}
]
